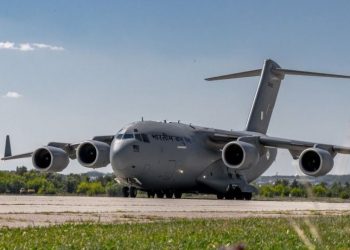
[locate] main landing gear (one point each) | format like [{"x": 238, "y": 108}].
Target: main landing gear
[
  {"x": 132, "y": 192},
  {"x": 235, "y": 194},
  {"x": 167, "y": 194}
]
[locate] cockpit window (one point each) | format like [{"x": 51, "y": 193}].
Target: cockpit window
[
  {"x": 145, "y": 138},
  {"x": 119, "y": 136},
  {"x": 128, "y": 136},
  {"x": 138, "y": 137}
]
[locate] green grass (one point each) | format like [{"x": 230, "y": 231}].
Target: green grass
[{"x": 328, "y": 232}]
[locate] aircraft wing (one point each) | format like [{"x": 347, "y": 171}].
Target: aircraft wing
[
  {"x": 295, "y": 147},
  {"x": 68, "y": 147},
  {"x": 19, "y": 156}
]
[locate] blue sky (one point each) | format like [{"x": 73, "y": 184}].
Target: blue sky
[{"x": 86, "y": 68}]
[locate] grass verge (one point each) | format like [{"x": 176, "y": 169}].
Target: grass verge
[{"x": 319, "y": 232}]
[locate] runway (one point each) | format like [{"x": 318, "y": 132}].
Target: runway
[{"x": 19, "y": 211}]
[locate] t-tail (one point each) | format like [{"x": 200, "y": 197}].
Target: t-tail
[{"x": 271, "y": 76}]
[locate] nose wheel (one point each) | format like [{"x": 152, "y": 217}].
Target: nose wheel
[
  {"x": 129, "y": 192},
  {"x": 125, "y": 191}
]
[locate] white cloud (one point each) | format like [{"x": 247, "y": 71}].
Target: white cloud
[
  {"x": 47, "y": 46},
  {"x": 25, "y": 47},
  {"x": 28, "y": 46},
  {"x": 12, "y": 94},
  {"x": 7, "y": 45}
]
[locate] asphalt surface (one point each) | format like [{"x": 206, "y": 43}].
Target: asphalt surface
[{"x": 19, "y": 211}]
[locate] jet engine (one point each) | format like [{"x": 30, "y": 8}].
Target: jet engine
[
  {"x": 240, "y": 155},
  {"x": 93, "y": 154},
  {"x": 50, "y": 159},
  {"x": 315, "y": 162}
]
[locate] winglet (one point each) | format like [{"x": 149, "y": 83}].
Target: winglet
[{"x": 8, "y": 147}]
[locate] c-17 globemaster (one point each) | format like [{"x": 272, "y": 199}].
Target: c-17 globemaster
[{"x": 168, "y": 159}]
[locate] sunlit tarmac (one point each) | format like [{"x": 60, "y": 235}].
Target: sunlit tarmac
[{"x": 18, "y": 211}]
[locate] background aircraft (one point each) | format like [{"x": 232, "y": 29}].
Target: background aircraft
[{"x": 172, "y": 158}]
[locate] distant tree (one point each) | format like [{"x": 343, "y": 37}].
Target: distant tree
[
  {"x": 47, "y": 188},
  {"x": 282, "y": 182},
  {"x": 281, "y": 190},
  {"x": 90, "y": 188},
  {"x": 297, "y": 192},
  {"x": 113, "y": 189},
  {"x": 58, "y": 180},
  {"x": 72, "y": 183},
  {"x": 36, "y": 183},
  {"x": 3, "y": 186},
  {"x": 15, "y": 185},
  {"x": 336, "y": 189},
  {"x": 95, "y": 188},
  {"x": 344, "y": 195},
  {"x": 319, "y": 190},
  {"x": 295, "y": 184},
  {"x": 21, "y": 170},
  {"x": 267, "y": 191}
]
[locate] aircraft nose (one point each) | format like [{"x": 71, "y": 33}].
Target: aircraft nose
[{"x": 120, "y": 154}]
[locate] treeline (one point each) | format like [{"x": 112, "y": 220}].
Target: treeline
[
  {"x": 23, "y": 181},
  {"x": 284, "y": 188}
]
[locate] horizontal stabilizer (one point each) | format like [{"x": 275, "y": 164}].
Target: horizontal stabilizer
[
  {"x": 306, "y": 73},
  {"x": 276, "y": 71},
  {"x": 250, "y": 73}
]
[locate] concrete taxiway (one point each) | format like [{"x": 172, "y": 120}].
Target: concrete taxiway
[{"x": 18, "y": 211}]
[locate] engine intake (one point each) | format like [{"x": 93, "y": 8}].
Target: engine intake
[
  {"x": 93, "y": 154},
  {"x": 240, "y": 155},
  {"x": 50, "y": 159},
  {"x": 316, "y": 162}
]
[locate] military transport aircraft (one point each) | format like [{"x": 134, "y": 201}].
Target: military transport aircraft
[{"x": 168, "y": 159}]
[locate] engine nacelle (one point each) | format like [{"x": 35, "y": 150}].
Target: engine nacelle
[
  {"x": 240, "y": 155},
  {"x": 316, "y": 162},
  {"x": 93, "y": 154},
  {"x": 50, "y": 159}
]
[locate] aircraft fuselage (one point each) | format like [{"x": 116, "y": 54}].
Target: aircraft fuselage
[{"x": 174, "y": 156}]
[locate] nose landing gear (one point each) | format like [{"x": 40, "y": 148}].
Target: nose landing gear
[{"x": 129, "y": 192}]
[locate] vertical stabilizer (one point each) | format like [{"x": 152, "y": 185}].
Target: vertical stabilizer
[
  {"x": 271, "y": 76},
  {"x": 265, "y": 98},
  {"x": 8, "y": 147}
]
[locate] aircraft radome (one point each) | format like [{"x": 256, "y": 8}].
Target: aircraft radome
[{"x": 166, "y": 158}]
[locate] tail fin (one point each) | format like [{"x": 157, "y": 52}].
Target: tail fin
[
  {"x": 271, "y": 76},
  {"x": 8, "y": 147}
]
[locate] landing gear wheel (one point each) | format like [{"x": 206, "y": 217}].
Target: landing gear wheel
[
  {"x": 239, "y": 195},
  {"x": 150, "y": 194},
  {"x": 177, "y": 195},
  {"x": 230, "y": 196},
  {"x": 247, "y": 196},
  {"x": 133, "y": 192},
  {"x": 220, "y": 196},
  {"x": 160, "y": 194},
  {"x": 125, "y": 191},
  {"x": 169, "y": 195}
]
